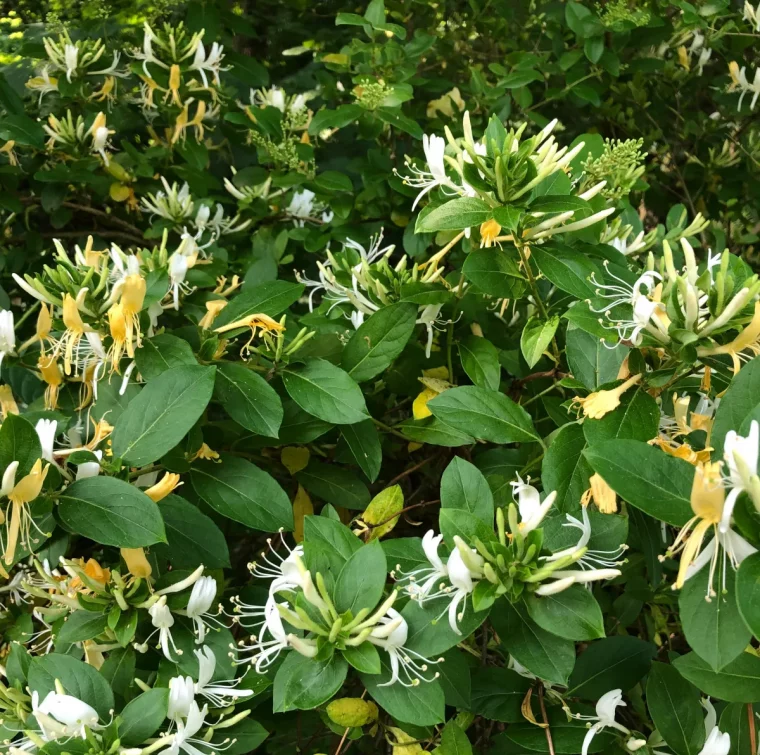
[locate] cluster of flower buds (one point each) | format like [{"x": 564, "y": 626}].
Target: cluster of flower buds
[
  {"x": 513, "y": 563},
  {"x": 304, "y": 604},
  {"x": 683, "y": 309}
]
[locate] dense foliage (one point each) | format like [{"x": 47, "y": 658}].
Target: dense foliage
[{"x": 379, "y": 378}]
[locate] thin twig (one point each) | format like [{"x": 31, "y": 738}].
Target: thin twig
[
  {"x": 403, "y": 511},
  {"x": 752, "y": 734},
  {"x": 105, "y": 215},
  {"x": 411, "y": 470},
  {"x": 547, "y": 728},
  {"x": 107, "y": 234}
]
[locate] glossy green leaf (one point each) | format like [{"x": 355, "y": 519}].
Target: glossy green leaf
[{"x": 248, "y": 399}]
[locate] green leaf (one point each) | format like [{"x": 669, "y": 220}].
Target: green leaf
[
  {"x": 19, "y": 442},
  {"x": 454, "y": 741},
  {"x": 565, "y": 468},
  {"x": 748, "y": 592},
  {"x": 430, "y": 633},
  {"x": 364, "y": 658},
  {"x": 498, "y": 693},
  {"x": 328, "y": 545},
  {"x": 22, "y": 129},
  {"x": 637, "y": 418},
  {"x": 248, "y": 399},
  {"x": 568, "y": 270},
  {"x": 161, "y": 353},
  {"x": 614, "y": 662},
  {"x": 78, "y": 679},
  {"x": 519, "y": 79},
  {"x": 334, "y": 484},
  {"x": 192, "y": 538},
  {"x": 304, "y": 683},
  {"x": 240, "y": 739},
  {"x": 480, "y": 360},
  {"x": 143, "y": 716},
  {"x": 463, "y": 487},
  {"x": 395, "y": 118},
  {"x": 332, "y": 181},
  {"x": 495, "y": 273},
  {"x": 536, "y": 337},
  {"x": 713, "y": 628},
  {"x": 455, "y": 215},
  {"x": 455, "y": 678},
  {"x": 591, "y": 362},
  {"x": 567, "y": 737},
  {"x": 464, "y": 524},
  {"x": 739, "y": 403},
  {"x": 325, "y": 391},
  {"x": 241, "y": 491},
  {"x": 271, "y": 298},
  {"x": 339, "y": 118},
  {"x": 82, "y": 625},
  {"x": 674, "y": 706},
  {"x": 487, "y": 415},
  {"x": 361, "y": 581},
  {"x": 572, "y": 613},
  {"x": 734, "y": 722},
  {"x": 658, "y": 484},
  {"x": 431, "y": 430},
  {"x": 378, "y": 341},
  {"x": 363, "y": 442},
  {"x": 544, "y": 654},
  {"x": 423, "y": 705},
  {"x": 111, "y": 512},
  {"x": 738, "y": 682},
  {"x": 549, "y": 203},
  {"x": 162, "y": 414}
]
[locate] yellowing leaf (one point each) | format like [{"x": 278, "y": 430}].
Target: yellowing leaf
[
  {"x": 302, "y": 507},
  {"x": 295, "y": 458},
  {"x": 336, "y": 58},
  {"x": 381, "y": 511},
  {"x": 405, "y": 744},
  {"x": 118, "y": 192},
  {"x": 419, "y": 407},
  {"x": 352, "y": 711}
]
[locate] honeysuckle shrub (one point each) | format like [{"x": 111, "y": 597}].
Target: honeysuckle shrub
[{"x": 379, "y": 378}]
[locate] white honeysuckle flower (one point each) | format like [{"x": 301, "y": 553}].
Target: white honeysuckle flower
[
  {"x": 532, "y": 509},
  {"x": 89, "y": 468},
  {"x": 564, "y": 578},
  {"x": 741, "y": 456},
  {"x": 270, "y": 641},
  {"x": 212, "y": 63},
  {"x": 740, "y": 79},
  {"x": 304, "y": 207},
  {"x": 146, "y": 55},
  {"x": 408, "y": 667},
  {"x": 15, "y": 588},
  {"x": 637, "y": 295},
  {"x": 592, "y": 559},
  {"x": 201, "y": 598},
  {"x": 604, "y": 718},
  {"x": 716, "y": 743},
  {"x": 704, "y": 55},
  {"x": 7, "y": 332},
  {"x": 178, "y": 267},
  {"x": 163, "y": 621},
  {"x": 71, "y": 55},
  {"x": 9, "y": 479},
  {"x": 357, "y": 318},
  {"x": 71, "y": 712},
  {"x": 425, "y": 582},
  {"x": 273, "y": 97},
  {"x": 219, "y": 693},
  {"x": 173, "y": 203},
  {"x": 181, "y": 697},
  {"x": 46, "y": 432},
  {"x": 184, "y": 738},
  {"x": 465, "y": 568},
  {"x": 752, "y": 14},
  {"x": 435, "y": 175}
]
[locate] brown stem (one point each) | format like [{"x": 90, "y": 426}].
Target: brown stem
[
  {"x": 79, "y": 234},
  {"x": 403, "y": 511},
  {"x": 752, "y": 734},
  {"x": 547, "y": 728},
  {"x": 105, "y": 216},
  {"x": 409, "y": 471}
]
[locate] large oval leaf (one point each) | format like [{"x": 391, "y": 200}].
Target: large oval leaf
[{"x": 162, "y": 414}]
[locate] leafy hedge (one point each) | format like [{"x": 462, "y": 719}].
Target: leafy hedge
[{"x": 379, "y": 378}]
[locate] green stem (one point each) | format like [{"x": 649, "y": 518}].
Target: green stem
[{"x": 389, "y": 429}]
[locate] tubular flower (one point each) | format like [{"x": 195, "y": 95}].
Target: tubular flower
[
  {"x": 601, "y": 494},
  {"x": 7, "y": 334},
  {"x": 707, "y": 502},
  {"x": 604, "y": 718},
  {"x": 117, "y": 325},
  {"x": 532, "y": 509},
  {"x": 132, "y": 298},
  {"x": 213, "y": 308},
  {"x": 255, "y": 322},
  {"x": 19, "y": 521},
  {"x": 747, "y": 341},
  {"x": 136, "y": 562},
  {"x": 599, "y": 403},
  {"x": 75, "y": 330},
  {"x": 169, "y": 482},
  {"x": 489, "y": 231},
  {"x": 50, "y": 372}
]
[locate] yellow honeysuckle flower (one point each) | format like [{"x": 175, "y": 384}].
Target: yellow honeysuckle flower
[
  {"x": 132, "y": 298},
  {"x": 175, "y": 80},
  {"x": 599, "y": 403},
  {"x": 682, "y": 450},
  {"x": 169, "y": 482},
  {"x": 117, "y": 325},
  {"x": 225, "y": 290},
  {"x": 101, "y": 431},
  {"x": 19, "y": 523},
  {"x": 136, "y": 562},
  {"x": 8, "y": 404},
  {"x": 75, "y": 330},
  {"x": 601, "y": 494},
  {"x": 683, "y": 57},
  {"x": 258, "y": 321},
  {"x": 207, "y": 453},
  {"x": 488, "y": 233},
  {"x": 197, "y": 122},
  {"x": 733, "y": 69},
  {"x": 7, "y": 149},
  {"x": 747, "y": 340},
  {"x": 50, "y": 372},
  {"x": 213, "y": 308},
  {"x": 106, "y": 91}
]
